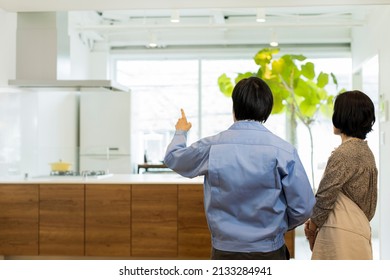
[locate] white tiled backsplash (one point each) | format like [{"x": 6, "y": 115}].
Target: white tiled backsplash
[{"x": 36, "y": 128}]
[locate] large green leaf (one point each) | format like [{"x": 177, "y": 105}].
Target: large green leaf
[
  {"x": 322, "y": 80},
  {"x": 264, "y": 56},
  {"x": 326, "y": 110},
  {"x": 298, "y": 57},
  {"x": 260, "y": 72},
  {"x": 292, "y": 57},
  {"x": 225, "y": 85},
  {"x": 241, "y": 76},
  {"x": 278, "y": 66},
  {"x": 285, "y": 93},
  {"x": 313, "y": 99},
  {"x": 290, "y": 71},
  {"x": 308, "y": 70},
  {"x": 319, "y": 93},
  {"x": 334, "y": 79},
  {"x": 307, "y": 108},
  {"x": 302, "y": 88},
  {"x": 278, "y": 105},
  {"x": 279, "y": 91},
  {"x": 322, "y": 93},
  {"x": 268, "y": 74}
]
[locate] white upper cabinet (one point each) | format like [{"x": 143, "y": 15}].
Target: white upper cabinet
[{"x": 104, "y": 123}]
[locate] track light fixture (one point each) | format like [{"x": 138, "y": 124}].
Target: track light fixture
[
  {"x": 274, "y": 39},
  {"x": 152, "y": 41},
  {"x": 175, "y": 16},
  {"x": 260, "y": 15}
]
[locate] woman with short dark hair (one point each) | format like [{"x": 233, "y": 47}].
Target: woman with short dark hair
[
  {"x": 347, "y": 195},
  {"x": 353, "y": 114},
  {"x": 255, "y": 187}
]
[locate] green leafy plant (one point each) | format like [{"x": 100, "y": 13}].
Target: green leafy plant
[{"x": 297, "y": 90}]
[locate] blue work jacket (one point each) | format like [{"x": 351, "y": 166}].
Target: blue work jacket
[{"x": 255, "y": 186}]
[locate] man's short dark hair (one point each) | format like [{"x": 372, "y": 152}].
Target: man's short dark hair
[
  {"x": 252, "y": 100},
  {"x": 353, "y": 114}
]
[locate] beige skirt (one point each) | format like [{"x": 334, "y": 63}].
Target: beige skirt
[{"x": 346, "y": 235}]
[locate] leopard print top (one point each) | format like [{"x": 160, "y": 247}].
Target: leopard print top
[{"x": 351, "y": 169}]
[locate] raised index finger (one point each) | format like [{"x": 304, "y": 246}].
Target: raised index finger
[{"x": 183, "y": 115}]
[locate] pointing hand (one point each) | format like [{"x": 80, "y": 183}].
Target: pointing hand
[{"x": 182, "y": 123}]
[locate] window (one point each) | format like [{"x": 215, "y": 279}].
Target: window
[
  {"x": 216, "y": 108},
  {"x": 161, "y": 87}
]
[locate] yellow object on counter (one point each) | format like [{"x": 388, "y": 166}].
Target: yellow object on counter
[{"x": 60, "y": 166}]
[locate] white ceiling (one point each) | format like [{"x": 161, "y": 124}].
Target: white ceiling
[
  {"x": 120, "y": 24},
  {"x": 224, "y": 26},
  {"x": 66, "y": 5}
]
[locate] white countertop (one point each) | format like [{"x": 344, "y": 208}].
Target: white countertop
[{"x": 106, "y": 179}]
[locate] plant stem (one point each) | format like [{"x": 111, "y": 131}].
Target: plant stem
[
  {"x": 291, "y": 126},
  {"x": 312, "y": 157}
]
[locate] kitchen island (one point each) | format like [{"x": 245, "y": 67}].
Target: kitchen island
[{"x": 147, "y": 216}]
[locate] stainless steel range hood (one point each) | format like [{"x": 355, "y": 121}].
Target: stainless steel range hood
[
  {"x": 43, "y": 52},
  {"x": 111, "y": 85}
]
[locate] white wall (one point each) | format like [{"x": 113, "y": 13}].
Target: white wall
[
  {"x": 37, "y": 126},
  {"x": 57, "y": 116},
  {"x": 7, "y": 46},
  {"x": 369, "y": 41},
  {"x": 85, "y": 64}
]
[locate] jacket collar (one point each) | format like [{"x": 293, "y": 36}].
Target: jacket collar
[{"x": 248, "y": 124}]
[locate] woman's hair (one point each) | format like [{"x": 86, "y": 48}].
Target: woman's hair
[
  {"x": 252, "y": 100},
  {"x": 353, "y": 114}
]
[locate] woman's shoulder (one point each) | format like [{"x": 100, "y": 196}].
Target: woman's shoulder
[
  {"x": 351, "y": 146},
  {"x": 355, "y": 150}
]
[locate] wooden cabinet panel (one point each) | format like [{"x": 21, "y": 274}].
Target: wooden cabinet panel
[
  {"x": 107, "y": 220},
  {"x": 18, "y": 219},
  {"x": 141, "y": 221},
  {"x": 154, "y": 221},
  {"x": 61, "y": 213},
  {"x": 194, "y": 235}
]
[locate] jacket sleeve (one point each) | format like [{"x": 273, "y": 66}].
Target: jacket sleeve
[
  {"x": 298, "y": 193},
  {"x": 187, "y": 161}
]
